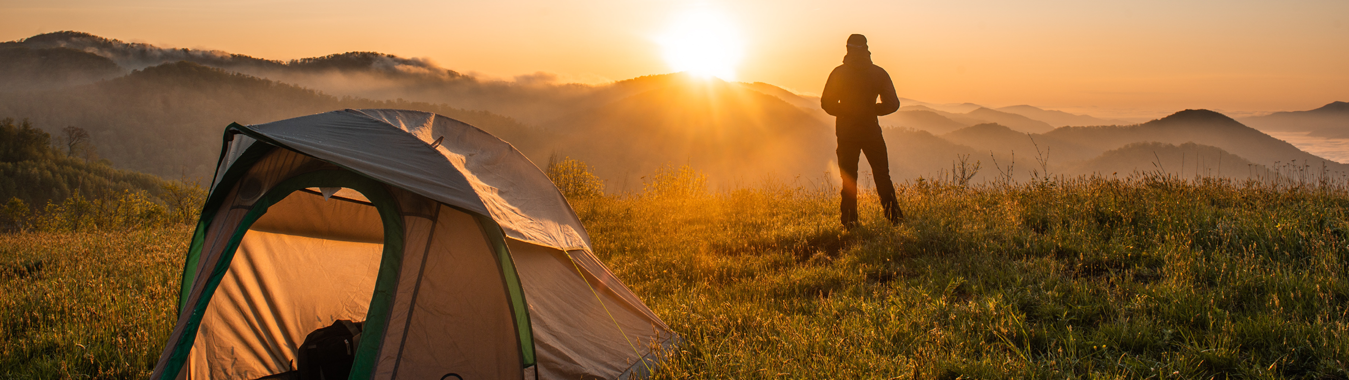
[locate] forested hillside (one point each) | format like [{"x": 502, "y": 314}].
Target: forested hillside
[
  {"x": 34, "y": 171},
  {"x": 57, "y": 184},
  {"x": 168, "y": 120},
  {"x": 24, "y": 68}
]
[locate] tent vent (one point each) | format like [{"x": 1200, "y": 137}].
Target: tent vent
[{"x": 328, "y": 191}]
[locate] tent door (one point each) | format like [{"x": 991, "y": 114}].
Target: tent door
[{"x": 316, "y": 248}]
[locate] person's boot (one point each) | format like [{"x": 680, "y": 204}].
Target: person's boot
[
  {"x": 849, "y": 220},
  {"x": 890, "y": 204},
  {"x": 848, "y": 210},
  {"x": 894, "y": 215}
]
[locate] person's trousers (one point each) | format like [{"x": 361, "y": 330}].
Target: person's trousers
[{"x": 849, "y": 151}]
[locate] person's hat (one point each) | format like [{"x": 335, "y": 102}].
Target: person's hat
[{"x": 857, "y": 40}]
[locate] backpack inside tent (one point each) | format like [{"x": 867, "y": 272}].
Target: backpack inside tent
[{"x": 432, "y": 248}]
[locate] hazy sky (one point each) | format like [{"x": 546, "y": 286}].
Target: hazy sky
[{"x": 1127, "y": 58}]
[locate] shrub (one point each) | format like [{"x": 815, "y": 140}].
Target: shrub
[
  {"x": 672, "y": 182},
  {"x": 573, "y": 178},
  {"x": 17, "y": 211}
]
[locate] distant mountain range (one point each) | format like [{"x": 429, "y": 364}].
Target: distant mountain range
[
  {"x": 1059, "y": 118},
  {"x": 168, "y": 119},
  {"x": 135, "y": 56},
  {"x": 942, "y": 118},
  {"x": 730, "y": 131},
  {"x": 162, "y": 111},
  {"x": 1331, "y": 120},
  {"x": 979, "y": 115},
  {"x": 1186, "y": 160}
]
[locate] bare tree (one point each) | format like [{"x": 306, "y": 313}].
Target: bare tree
[
  {"x": 74, "y": 136},
  {"x": 90, "y": 153}
]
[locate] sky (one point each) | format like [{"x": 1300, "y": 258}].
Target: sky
[{"x": 1138, "y": 58}]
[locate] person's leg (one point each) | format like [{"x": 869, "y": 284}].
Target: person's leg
[
  {"x": 848, "y": 152},
  {"x": 879, "y": 158}
]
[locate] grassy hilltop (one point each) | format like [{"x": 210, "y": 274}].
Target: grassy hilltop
[
  {"x": 1144, "y": 277},
  {"x": 1148, "y": 276}
]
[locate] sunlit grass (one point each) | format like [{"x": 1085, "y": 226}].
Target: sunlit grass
[
  {"x": 1144, "y": 277},
  {"x": 87, "y": 304},
  {"x": 1101, "y": 278}
]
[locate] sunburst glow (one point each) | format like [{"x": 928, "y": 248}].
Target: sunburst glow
[{"x": 702, "y": 42}]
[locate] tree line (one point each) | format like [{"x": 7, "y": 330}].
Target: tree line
[{"x": 60, "y": 184}]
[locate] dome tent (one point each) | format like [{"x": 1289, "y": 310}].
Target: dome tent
[{"x": 456, "y": 252}]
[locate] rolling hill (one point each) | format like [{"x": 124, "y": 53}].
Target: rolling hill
[
  {"x": 1217, "y": 139},
  {"x": 1184, "y": 160},
  {"x": 1331, "y": 120},
  {"x": 944, "y": 107},
  {"x": 367, "y": 75},
  {"x": 134, "y": 56},
  {"x": 732, "y": 133},
  {"x": 1003, "y": 142},
  {"x": 981, "y": 115},
  {"x": 25, "y": 68},
  {"x": 1198, "y": 126},
  {"x": 917, "y": 153},
  {"x": 924, "y": 120},
  {"x": 1010, "y": 120},
  {"x": 1057, "y": 118},
  {"x": 167, "y": 120},
  {"x": 35, "y": 172}
]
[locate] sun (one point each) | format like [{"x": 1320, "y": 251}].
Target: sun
[{"x": 704, "y": 43}]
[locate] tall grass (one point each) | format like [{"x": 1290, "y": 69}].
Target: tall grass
[
  {"x": 1148, "y": 276},
  {"x": 76, "y": 305}
]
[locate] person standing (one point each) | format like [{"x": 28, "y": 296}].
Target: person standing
[{"x": 850, "y": 96}]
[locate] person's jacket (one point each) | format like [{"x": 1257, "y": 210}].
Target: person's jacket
[{"x": 850, "y": 94}]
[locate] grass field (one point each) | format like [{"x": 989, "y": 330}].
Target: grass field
[
  {"x": 78, "y": 305},
  {"x": 1146, "y": 277}
]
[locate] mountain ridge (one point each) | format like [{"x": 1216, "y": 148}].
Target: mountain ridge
[
  {"x": 1057, "y": 118},
  {"x": 1199, "y": 126},
  {"x": 1330, "y": 120},
  {"x": 166, "y": 120}
]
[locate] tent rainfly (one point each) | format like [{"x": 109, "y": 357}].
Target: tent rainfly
[{"x": 459, "y": 256}]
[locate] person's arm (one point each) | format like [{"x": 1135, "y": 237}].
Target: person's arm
[
  {"x": 889, "y": 101},
  {"x": 829, "y": 98}
]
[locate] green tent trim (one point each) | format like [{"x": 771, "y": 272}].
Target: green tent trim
[{"x": 390, "y": 261}]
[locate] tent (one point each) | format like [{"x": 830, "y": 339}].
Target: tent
[{"x": 458, "y": 254}]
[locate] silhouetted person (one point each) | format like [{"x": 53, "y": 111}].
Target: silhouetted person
[{"x": 850, "y": 95}]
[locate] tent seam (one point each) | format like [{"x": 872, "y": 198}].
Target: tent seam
[
  {"x": 606, "y": 309},
  {"x": 412, "y": 303}
]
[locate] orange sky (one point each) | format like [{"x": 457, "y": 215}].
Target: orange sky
[{"x": 1139, "y": 58}]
